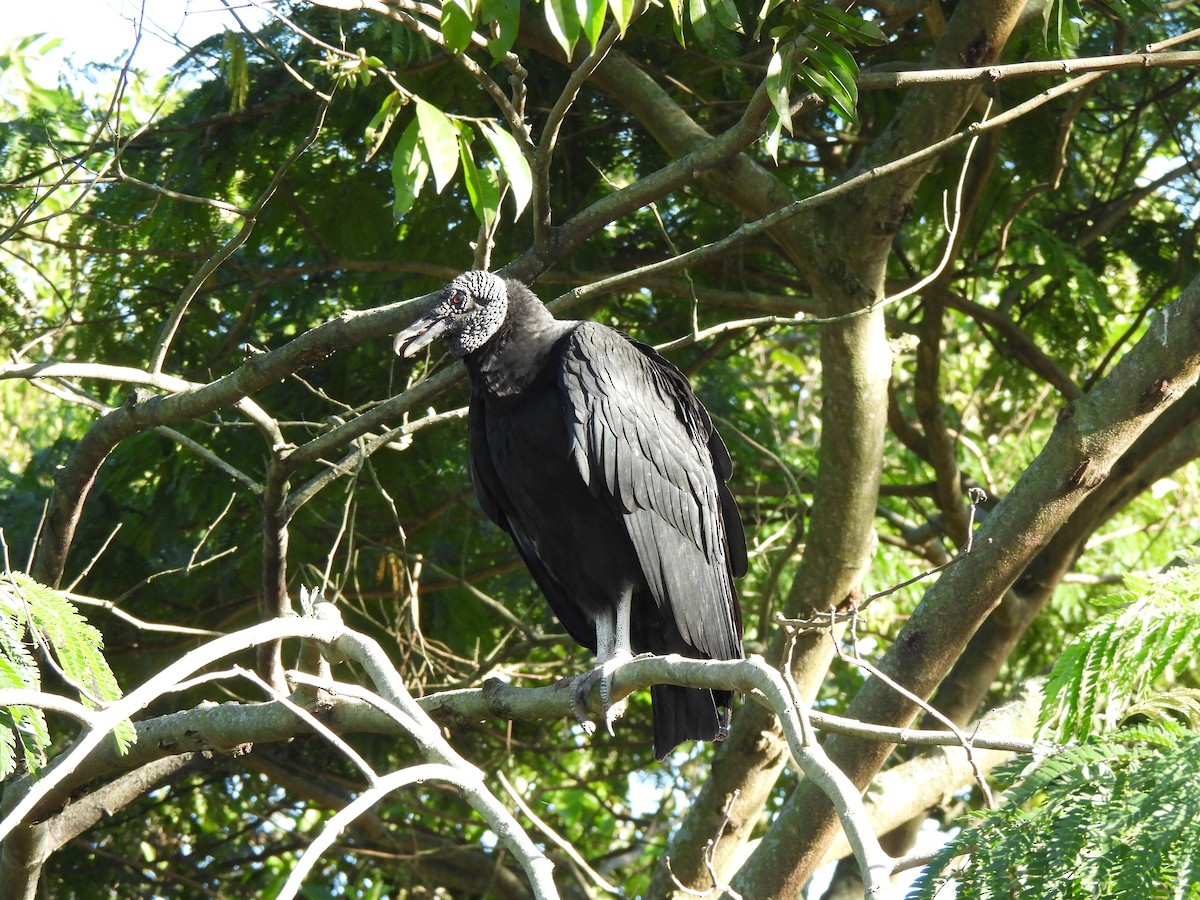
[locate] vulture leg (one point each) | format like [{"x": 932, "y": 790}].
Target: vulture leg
[{"x": 612, "y": 649}]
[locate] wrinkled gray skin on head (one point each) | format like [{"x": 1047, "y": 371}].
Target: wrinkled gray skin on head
[{"x": 470, "y": 309}]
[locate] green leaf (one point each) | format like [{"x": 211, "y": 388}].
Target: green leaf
[
  {"x": 767, "y": 6},
  {"x": 512, "y": 163},
  {"x": 677, "y": 20},
  {"x": 1060, "y": 26},
  {"x": 76, "y": 643},
  {"x": 483, "y": 185},
  {"x": 1114, "y": 666},
  {"x": 562, "y": 17},
  {"x": 23, "y": 733},
  {"x": 1116, "y": 817},
  {"x": 849, "y": 27},
  {"x": 702, "y": 21},
  {"x": 727, "y": 14},
  {"x": 773, "y": 136},
  {"x": 18, "y": 669},
  {"x": 235, "y": 70},
  {"x": 622, "y": 11},
  {"x": 841, "y": 74},
  {"x": 440, "y": 138},
  {"x": 591, "y": 14},
  {"x": 505, "y": 15},
  {"x": 458, "y": 24},
  {"x": 409, "y": 170},
  {"x": 828, "y": 87},
  {"x": 778, "y": 85},
  {"x": 381, "y": 123}
]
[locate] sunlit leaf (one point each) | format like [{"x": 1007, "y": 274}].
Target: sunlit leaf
[
  {"x": 842, "y": 97},
  {"x": 773, "y": 136},
  {"x": 765, "y": 11},
  {"x": 440, "y": 138},
  {"x": 458, "y": 23},
  {"x": 235, "y": 70},
  {"x": 512, "y": 163},
  {"x": 77, "y": 645},
  {"x": 677, "y": 19},
  {"x": 841, "y": 70},
  {"x": 702, "y": 21},
  {"x": 1060, "y": 26},
  {"x": 483, "y": 187},
  {"x": 849, "y": 27},
  {"x": 726, "y": 13},
  {"x": 23, "y": 734},
  {"x": 562, "y": 17},
  {"x": 381, "y": 123},
  {"x": 622, "y": 11},
  {"x": 591, "y": 14},
  {"x": 409, "y": 170},
  {"x": 778, "y": 89},
  {"x": 505, "y": 19}
]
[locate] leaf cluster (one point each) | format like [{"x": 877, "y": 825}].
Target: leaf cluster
[
  {"x": 1115, "y": 813},
  {"x": 1110, "y": 671},
  {"x": 1115, "y": 816},
  {"x": 32, "y": 614},
  {"x": 1065, "y": 20}
]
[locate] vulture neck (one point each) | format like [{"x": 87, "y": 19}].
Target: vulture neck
[{"x": 520, "y": 349}]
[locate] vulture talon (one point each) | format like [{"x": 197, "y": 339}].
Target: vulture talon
[
  {"x": 605, "y": 671},
  {"x": 579, "y": 706},
  {"x": 579, "y": 691}
]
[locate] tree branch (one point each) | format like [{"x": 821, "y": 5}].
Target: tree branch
[{"x": 1092, "y": 434}]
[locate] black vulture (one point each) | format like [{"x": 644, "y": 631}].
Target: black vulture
[{"x": 594, "y": 454}]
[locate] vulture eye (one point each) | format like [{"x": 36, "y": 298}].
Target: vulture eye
[{"x": 458, "y": 299}]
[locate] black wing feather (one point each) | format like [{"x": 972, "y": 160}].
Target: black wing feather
[
  {"x": 640, "y": 438},
  {"x": 490, "y": 491}
]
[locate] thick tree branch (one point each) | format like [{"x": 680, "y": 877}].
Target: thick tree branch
[
  {"x": 1092, "y": 434},
  {"x": 1172, "y": 441},
  {"x": 232, "y": 727}
]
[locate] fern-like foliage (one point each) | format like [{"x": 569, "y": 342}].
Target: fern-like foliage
[
  {"x": 1116, "y": 813},
  {"x": 23, "y": 733},
  {"x": 28, "y": 608},
  {"x": 1113, "y": 817},
  {"x": 1111, "y": 670}
]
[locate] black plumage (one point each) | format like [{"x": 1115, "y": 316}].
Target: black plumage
[{"x": 594, "y": 454}]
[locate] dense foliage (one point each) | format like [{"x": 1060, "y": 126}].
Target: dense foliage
[{"x": 979, "y": 359}]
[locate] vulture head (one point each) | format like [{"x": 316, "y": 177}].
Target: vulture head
[{"x": 469, "y": 310}]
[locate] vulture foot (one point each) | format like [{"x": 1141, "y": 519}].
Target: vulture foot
[
  {"x": 585, "y": 682},
  {"x": 604, "y": 671},
  {"x": 579, "y": 692}
]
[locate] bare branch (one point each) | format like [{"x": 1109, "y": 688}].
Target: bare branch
[
  {"x": 82, "y": 714},
  {"x": 1144, "y": 59}
]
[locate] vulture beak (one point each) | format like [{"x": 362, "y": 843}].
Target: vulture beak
[{"x": 419, "y": 334}]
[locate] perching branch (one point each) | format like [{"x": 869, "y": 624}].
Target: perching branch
[
  {"x": 233, "y": 725},
  {"x": 327, "y": 630}
]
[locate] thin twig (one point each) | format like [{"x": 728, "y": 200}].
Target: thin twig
[
  {"x": 856, "y": 659},
  {"x": 160, "y": 627},
  {"x": 557, "y": 839}
]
